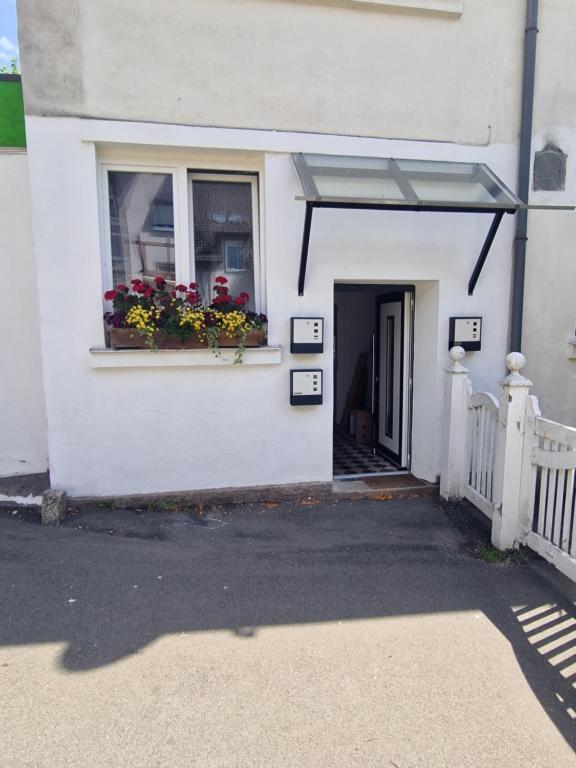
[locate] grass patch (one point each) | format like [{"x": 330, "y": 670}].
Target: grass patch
[{"x": 492, "y": 555}]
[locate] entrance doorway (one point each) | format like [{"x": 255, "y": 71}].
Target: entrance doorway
[{"x": 373, "y": 352}]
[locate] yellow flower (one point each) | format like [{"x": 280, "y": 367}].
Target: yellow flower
[
  {"x": 191, "y": 317},
  {"x": 141, "y": 319}
]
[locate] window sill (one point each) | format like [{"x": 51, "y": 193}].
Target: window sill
[{"x": 181, "y": 358}]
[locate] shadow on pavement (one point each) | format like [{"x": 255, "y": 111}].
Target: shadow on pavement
[{"x": 109, "y": 582}]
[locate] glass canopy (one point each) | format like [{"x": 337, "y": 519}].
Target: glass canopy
[{"x": 338, "y": 181}]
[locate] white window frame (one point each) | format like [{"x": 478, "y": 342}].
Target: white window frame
[
  {"x": 182, "y": 179},
  {"x": 243, "y": 178},
  {"x": 106, "y": 239}
]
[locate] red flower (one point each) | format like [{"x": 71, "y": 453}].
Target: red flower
[
  {"x": 223, "y": 298},
  {"x": 121, "y": 287},
  {"x": 220, "y": 289},
  {"x": 172, "y": 294},
  {"x": 245, "y": 296},
  {"x": 110, "y": 295},
  {"x": 240, "y": 301},
  {"x": 160, "y": 281},
  {"x": 181, "y": 288},
  {"x": 221, "y": 280},
  {"x": 193, "y": 286},
  {"x": 193, "y": 297},
  {"x": 136, "y": 281},
  {"x": 140, "y": 288},
  {"x": 148, "y": 292}
]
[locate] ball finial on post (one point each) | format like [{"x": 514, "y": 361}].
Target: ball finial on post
[
  {"x": 457, "y": 354},
  {"x": 515, "y": 362}
]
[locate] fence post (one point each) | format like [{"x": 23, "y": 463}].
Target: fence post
[
  {"x": 455, "y": 423},
  {"x": 529, "y": 469},
  {"x": 506, "y": 524}
]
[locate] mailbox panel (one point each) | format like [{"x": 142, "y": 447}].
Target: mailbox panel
[
  {"x": 466, "y": 332},
  {"x": 306, "y": 335},
  {"x": 306, "y": 387}
]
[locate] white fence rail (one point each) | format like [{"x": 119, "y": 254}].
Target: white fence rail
[
  {"x": 516, "y": 466},
  {"x": 553, "y": 456}
]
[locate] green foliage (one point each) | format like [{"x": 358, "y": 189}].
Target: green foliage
[{"x": 10, "y": 69}]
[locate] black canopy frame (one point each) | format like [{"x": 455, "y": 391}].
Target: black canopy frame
[{"x": 495, "y": 197}]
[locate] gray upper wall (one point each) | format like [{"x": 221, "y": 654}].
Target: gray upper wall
[{"x": 304, "y": 65}]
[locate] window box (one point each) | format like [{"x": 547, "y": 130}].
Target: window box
[
  {"x": 157, "y": 316},
  {"x": 130, "y": 338}
]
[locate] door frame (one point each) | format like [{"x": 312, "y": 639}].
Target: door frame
[
  {"x": 405, "y": 295},
  {"x": 408, "y": 290}
]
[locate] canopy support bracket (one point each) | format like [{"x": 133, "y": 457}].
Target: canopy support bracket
[
  {"x": 484, "y": 252},
  {"x": 305, "y": 245},
  {"x": 310, "y": 205}
]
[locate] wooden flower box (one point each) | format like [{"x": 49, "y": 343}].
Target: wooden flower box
[{"x": 130, "y": 338}]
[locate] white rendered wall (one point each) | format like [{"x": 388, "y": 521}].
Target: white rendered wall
[
  {"x": 331, "y": 66},
  {"x": 23, "y": 443},
  {"x": 550, "y": 287},
  {"x": 115, "y": 431}
]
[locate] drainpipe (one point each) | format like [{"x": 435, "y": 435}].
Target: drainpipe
[{"x": 524, "y": 162}]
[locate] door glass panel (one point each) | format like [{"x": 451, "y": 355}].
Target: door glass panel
[
  {"x": 390, "y": 376},
  {"x": 141, "y": 226},
  {"x": 223, "y": 237}
]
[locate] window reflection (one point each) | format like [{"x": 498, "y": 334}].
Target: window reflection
[
  {"x": 141, "y": 226},
  {"x": 223, "y": 236}
]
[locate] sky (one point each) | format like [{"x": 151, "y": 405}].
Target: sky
[{"x": 8, "y": 32}]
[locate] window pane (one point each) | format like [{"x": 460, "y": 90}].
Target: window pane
[
  {"x": 141, "y": 226},
  {"x": 223, "y": 237}
]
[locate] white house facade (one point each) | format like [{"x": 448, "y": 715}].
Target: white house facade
[
  {"x": 23, "y": 439},
  {"x": 232, "y": 100}
]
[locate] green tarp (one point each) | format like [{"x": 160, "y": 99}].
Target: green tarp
[{"x": 12, "y": 132}]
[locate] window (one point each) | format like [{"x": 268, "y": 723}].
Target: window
[
  {"x": 141, "y": 209},
  {"x": 237, "y": 255},
  {"x": 222, "y": 223},
  {"x": 185, "y": 226}
]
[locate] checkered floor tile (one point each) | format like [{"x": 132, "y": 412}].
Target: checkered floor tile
[{"x": 353, "y": 459}]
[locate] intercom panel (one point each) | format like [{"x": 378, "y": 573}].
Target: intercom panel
[
  {"x": 306, "y": 387},
  {"x": 466, "y": 332},
  {"x": 306, "y": 335}
]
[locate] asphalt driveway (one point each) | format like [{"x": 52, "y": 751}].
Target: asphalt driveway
[{"x": 292, "y": 635}]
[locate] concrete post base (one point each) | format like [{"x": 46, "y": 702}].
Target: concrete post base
[{"x": 53, "y": 507}]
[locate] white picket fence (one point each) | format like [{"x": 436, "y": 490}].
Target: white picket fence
[
  {"x": 482, "y": 426},
  {"x": 553, "y": 459},
  {"x": 517, "y": 467}
]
